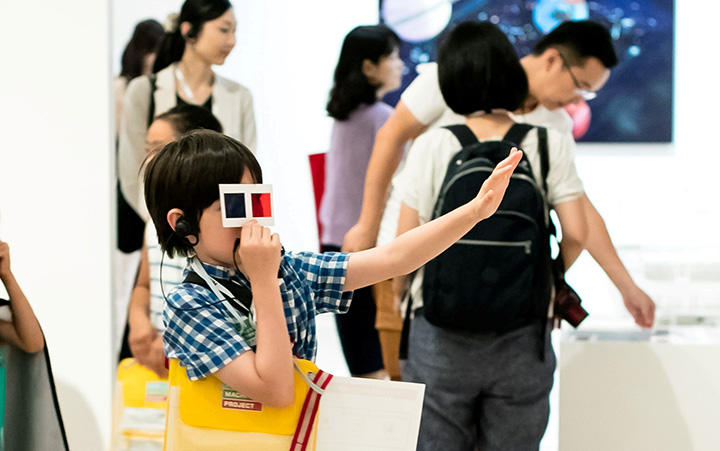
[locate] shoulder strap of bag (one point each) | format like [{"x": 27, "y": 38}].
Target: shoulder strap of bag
[
  {"x": 463, "y": 134},
  {"x": 517, "y": 133},
  {"x": 309, "y": 411},
  {"x": 241, "y": 294},
  {"x": 151, "y": 110},
  {"x": 544, "y": 155}
]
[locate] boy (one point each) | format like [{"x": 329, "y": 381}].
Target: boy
[{"x": 252, "y": 353}]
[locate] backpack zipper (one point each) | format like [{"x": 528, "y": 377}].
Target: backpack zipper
[{"x": 526, "y": 244}]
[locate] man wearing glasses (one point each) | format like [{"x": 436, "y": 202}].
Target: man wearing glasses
[{"x": 569, "y": 64}]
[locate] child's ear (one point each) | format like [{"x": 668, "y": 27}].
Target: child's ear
[{"x": 173, "y": 216}]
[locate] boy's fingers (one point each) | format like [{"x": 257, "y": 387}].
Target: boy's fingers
[
  {"x": 512, "y": 159},
  {"x": 248, "y": 231}
]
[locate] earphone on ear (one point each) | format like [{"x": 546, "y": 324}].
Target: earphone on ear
[{"x": 184, "y": 229}]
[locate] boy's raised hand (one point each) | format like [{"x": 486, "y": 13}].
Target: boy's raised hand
[
  {"x": 259, "y": 252},
  {"x": 493, "y": 189}
]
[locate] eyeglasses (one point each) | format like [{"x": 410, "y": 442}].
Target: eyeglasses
[{"x": 584, "y": 93}]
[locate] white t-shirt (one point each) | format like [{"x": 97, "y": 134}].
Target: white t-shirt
[
  {"x": 419, "y": 183},
  {"x": 425, "y": 101},
  {"x": 172, "y": 274}
]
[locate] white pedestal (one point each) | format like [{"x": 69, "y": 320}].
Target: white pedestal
[{"x": 639, "y": 395}]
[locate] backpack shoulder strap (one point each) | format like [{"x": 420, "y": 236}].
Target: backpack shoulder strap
[
  {"x": 463, "y": 134},
  {"x": 240, "y": 293},
  {"x": 151, "y": 110},
  {"x": 544, "y": 155},
  {"x": 517, "y": 133}
]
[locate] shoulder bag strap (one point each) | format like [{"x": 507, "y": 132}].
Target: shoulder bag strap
[
  {"x": 517, "y": 133},
  {"x": 151, "y": 110},
  {"x": 463, "y": 134}
]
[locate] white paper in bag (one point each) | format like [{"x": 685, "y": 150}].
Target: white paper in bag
[{"x": 367, "y": 414}]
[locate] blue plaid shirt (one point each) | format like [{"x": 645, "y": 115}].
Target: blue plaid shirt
[{"x": 203, "y": 335}]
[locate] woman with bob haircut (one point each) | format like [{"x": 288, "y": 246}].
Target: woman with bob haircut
[
  {"x": 368, "y": 68},
  {"x": 202, "y": 36},
  {"x": 485, "y": 389}
]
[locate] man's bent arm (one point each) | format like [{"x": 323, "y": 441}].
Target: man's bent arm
[{"x": 400, "y": 127}]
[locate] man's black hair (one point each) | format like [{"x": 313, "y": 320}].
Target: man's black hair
[
  {"x": 185, "y": 174},
  {"x": 580, "y": 40},
  {"x": 478, "y": 70}
]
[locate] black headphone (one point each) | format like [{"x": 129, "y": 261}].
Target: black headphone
[{"x": 184, "y": 229}]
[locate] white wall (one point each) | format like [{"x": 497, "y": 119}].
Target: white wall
[{"x": 55, "y": 192}]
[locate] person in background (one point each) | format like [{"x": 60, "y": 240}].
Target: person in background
[
  {"x": 202, "y": 36},
  {"x": 487, "y": 384},
  {"x": 137, "y": 59},
  {"x": 145, "y": 325},
  {"x": 368, "y": 68},
  {"x": 23, "y": 331},
  {"x": 570, "y": 63}
]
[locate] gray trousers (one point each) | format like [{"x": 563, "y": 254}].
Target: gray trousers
[{"x": 483, "y": 390}]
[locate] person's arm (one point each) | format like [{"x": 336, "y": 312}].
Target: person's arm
[
  {"x": 407, "y": 220},
  {"x": 131, "y": 141},
  {"x": 145, "y": 342},
  {"x": 249, "y": 132},
  {"x": 387, "y": 152},
  {"x": 416, "y": 247},
  {"x": 574, "y": 229},
  {"x": 600, "y": 247},
  {"x": 265, "y": 375},
  {"x": 24, "y": 330}
]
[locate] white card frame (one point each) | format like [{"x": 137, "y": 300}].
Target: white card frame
[{"x": 247, "y": 189}]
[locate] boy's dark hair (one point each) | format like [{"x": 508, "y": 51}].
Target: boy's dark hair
[
  {"x": 185, "y": 174},
  {"x": 478, "y": 70},
  {"x": 196, "y": 13},
  {"x": 145, "y": 40},
  {"x": 580, "y": 40},
  {"x": 186, "y": 117},
  {"x": 350, "y": 86}
]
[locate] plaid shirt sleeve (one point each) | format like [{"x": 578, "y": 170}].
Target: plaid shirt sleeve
[
  {"x": 199, "y": 333},
  {"x": 325, "y": 273}
]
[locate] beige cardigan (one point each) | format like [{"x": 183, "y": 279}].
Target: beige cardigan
[{"x": 231, "y": 104}]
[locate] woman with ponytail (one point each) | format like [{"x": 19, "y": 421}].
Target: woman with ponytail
[
  {"x": 368, "y": 68},
  {"x": 202, "y": 36}
]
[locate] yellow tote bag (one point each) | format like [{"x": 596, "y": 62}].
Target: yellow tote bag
[
  {"x": 206, "y": 415},
  {"x": 139, "y": 408}
]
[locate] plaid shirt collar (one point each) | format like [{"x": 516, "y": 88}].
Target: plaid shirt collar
[{"x": 216, "y": 271}]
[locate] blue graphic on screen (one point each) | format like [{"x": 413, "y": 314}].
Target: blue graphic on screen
[
  {"x": 636, "y": 103},
  {"x": 235, "y": 205}
]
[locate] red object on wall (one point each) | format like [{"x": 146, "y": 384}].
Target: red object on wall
[{"x": 317, "y": 172}]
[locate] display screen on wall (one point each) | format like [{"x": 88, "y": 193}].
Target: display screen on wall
[{"x": 636, "y": 103}]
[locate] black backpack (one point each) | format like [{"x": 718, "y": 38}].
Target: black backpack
[{"x": 498, "y": 276}]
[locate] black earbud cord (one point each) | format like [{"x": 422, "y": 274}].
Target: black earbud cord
[{"x": 162, "y": 287}]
